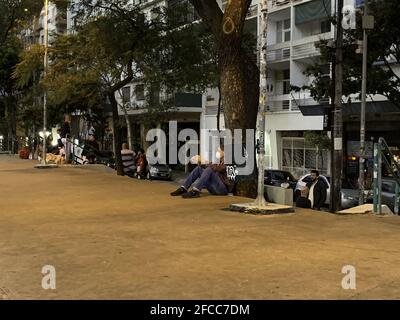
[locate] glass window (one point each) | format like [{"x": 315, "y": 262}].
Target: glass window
[
  {"x": 298, "y": 158},
  {"x": 311, "y": 159},
  {"x": 139, "y": 92},
  {"x": 287, "y": 158},
  {"x": 126, "y": 95},
  {"x": 286, "y": 24},
  {"x": 279, "y": 32},
  {"x": 278, "y": 176},
  {"x": 283, "y": 31},
  {"x": 325, "y": 26},
  {"x": 388, "y": 187}
]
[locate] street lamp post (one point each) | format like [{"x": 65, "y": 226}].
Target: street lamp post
[
  {"x": 46, "y": 42},
  {"x": 44, "y": 164},
  {"x": 367, "y": 23}
]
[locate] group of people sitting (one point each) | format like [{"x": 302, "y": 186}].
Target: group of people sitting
[{"x": 135, "y": 164}]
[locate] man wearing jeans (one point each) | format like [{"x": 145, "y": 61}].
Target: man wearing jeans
[{"x": 211, "y": 177}]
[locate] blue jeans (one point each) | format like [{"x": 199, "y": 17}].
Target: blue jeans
[{"x": 208, "y": 179}]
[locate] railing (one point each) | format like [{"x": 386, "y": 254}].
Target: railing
[
  {"x": 304, "y": 50},
  {"x": 253, "y": 11},
  {"x": 278, "y": 3},
  {"x": 381, "y": 151},
  {"x": 278, "y": 54}
]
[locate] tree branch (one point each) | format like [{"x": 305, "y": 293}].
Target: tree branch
[{"x": 211, "y": 14}]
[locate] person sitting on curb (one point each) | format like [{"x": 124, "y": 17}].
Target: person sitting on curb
[
  {"x": 128, "y": 160},
  {"x": 212, "y": 177},
  {"x": 318, "y": 190},
  {"x": 303, "y": 201}
]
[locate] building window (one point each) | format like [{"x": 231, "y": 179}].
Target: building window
[
  {"x": 283, "y": 31},
  {"x": 126, "y": 95},
  {"x": 182, "y": 11},
  {"x": 139, "y": 92},
  {"x": 299, "y": 159},
  {"x": 325, "y": 26}
]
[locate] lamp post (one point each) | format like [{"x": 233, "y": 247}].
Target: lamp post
[
  {"x": 44, "y": 164},
  {"x": 367, "y": 24},
  {"x": 46, "y": 41}
]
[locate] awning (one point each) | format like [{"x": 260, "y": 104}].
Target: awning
[{"x": 313, "y": 11}]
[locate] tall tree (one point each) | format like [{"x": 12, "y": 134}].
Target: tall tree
[{"x": 239, "y": 74}]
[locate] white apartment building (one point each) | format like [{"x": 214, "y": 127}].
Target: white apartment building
[
  {"x": 57, "y": 24},
  {"x": 293, "y": 29}
]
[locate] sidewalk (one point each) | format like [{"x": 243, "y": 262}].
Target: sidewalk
[{"x": 113, "y": 237}]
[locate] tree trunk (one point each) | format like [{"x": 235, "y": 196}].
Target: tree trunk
[
  {"x": 11, "y": 106},
  {"x": 117, "y": 135},
  {"x": 240, "y": 94},
  {"x": 239, "y": 73}
]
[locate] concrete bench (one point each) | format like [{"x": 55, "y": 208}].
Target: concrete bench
[{"x": 279, "y": 195}]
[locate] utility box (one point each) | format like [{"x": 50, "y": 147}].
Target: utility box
[{"x": 279, "y": 195}]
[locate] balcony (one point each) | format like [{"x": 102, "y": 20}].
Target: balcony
[
  {"x": 306, "y": 47},
  {"x": 279, "y": 103},
  {"x": 253, "y": 11},
  {"x": 276, "y": 55}
]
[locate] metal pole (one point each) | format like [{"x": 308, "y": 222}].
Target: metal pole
[
  {"x": 375, "y": 177},
  {"x": 337, "y": 132},
  {"x": 46, "y": 43},
  {"x": 396, "y": 199},
  {"x": 380, "y": 177},
  {"x": 361, "y": 178},
  {"x": 263, "y": 102}
]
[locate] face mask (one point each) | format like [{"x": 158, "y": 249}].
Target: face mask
[{"x": 218, "y": 155}]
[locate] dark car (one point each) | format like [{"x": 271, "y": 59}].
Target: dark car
[
  {"x": 389, "y": 192},
  {"x": 159, "y": 171},
  {"x": 277, "y": 177}
]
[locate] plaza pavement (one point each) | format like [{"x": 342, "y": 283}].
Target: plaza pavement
[{"x": 113, "y": 237}]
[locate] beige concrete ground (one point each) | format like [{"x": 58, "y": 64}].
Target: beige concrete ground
[{"x": 111, "y": 237}]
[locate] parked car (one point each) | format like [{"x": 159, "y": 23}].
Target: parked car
[
  {"x": 349, "y": 194},
  {"x": 159, "y": 171},
  {"x": 388, "y": 192},
  {"x": 277, "y": 177}
]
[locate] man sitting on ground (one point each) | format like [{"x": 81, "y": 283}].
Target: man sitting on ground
[
  {"x": 318, "y": 190},
  {"x": 211, "y": 177}
]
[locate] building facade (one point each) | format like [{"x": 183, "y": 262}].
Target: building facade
[{"x": 293, "y": 29}]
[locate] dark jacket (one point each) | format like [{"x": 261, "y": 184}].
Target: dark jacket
[
  {"x": 319, "y": 193},
  {"x": 303, "y": 202},
  {"x": 220, "y": 169}
]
